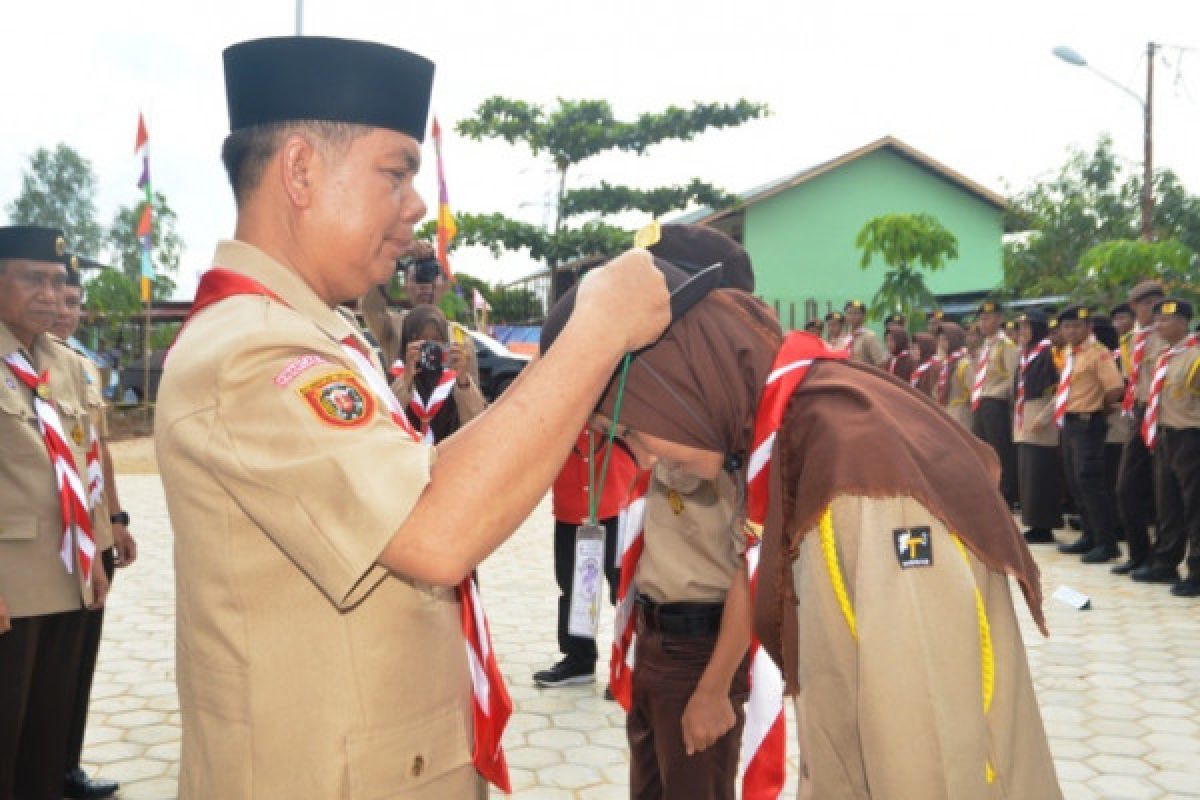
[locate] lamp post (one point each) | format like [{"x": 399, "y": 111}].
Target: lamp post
[{"x": 1147, "y": 103}]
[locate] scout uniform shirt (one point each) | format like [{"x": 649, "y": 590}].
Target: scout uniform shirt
[
  {"x": 33, "y": 579},
  {"x": 692, "y": 546},
  {"x": 97, "y": 411},
  {"x": 960, "y": 380},
  {"x": 1180, "y": 400},
  {"x": 1003, "y": 358},
  {"x": 1093, "y": 373},
  {"x": 893, "y": 680},
  {"x": 866, "y": 347},
  {"x": 1155, "y": 345},
  {"x": 304, "y": 668}
]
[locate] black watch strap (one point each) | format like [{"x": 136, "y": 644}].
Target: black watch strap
[{"x": 120, "y": 518}]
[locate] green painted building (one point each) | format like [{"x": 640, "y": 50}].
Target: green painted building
[{"x": 800, "y": 230}]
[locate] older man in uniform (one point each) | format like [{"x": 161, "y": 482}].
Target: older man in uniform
[
  {"x": 111, "y": 529},
  {"x": 991, "y": 393},
  {"x": 329, "y": 641},
  {"x": 1171, "y": 428},
  {"x": 47, "y": 575},
  {"x": 1088, "y": 386},
  {"x": 864, "y": 345},
  {"x": 1135, "y": 472}
]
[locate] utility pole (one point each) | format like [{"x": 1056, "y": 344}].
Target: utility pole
[
  {"x": 299, "y": 17},
  {"x": 1148, "y": 174}
]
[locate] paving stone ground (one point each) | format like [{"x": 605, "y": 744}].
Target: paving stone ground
[{"x": 1119, "y": 684}]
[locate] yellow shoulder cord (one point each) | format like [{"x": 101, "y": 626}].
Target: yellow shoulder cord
[
  {"x": 987, "y": 657},
  {"x": 1190, "y": 382},
  {"x": 829, "y": 550}
]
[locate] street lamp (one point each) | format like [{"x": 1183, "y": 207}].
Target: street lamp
[{"x": 1147, "y": 103}]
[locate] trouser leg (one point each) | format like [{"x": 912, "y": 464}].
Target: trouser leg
[
  {"x": 1135, "y": 493},
  {"x": 994, "y": 426},
  {"x": 1040, "y": 487},
  {"x": 93, "y": 629},
  {"x": 1186, "y": 464},
  {"x": 1177, "y": 479},
  {"x": 1087, "y": 459},
  {"x": 18, "y": 655}
]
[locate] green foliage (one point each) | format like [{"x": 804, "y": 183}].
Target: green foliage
[
  {"x": 514, "y": 305},
  {"x": 58, "y": 190},
  {"x": 115, "y": 294},
  {"x": 166, "y": 246},
  {"x": 1107, "y": 271},
  {"x": 907, "y": 244},
  {"x": 500, "y": 233},
  {"x": 609, "y": 199}
]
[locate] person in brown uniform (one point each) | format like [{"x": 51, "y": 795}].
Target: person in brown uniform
[
  {"x": 1172, "y": 430},
  {"x": 883, "y": 585},
  {"x": 1135, "y": 472},
  {"x": 49, "y": 569},
  {"x": 1088, "y": 386},
  {"x": 1034, "y": 431},
  {"x": 835, "y": 330},
  {"x": 925, "y": 373},
  {"x": 900, "y": 360},
  {"x": 1120, "y": 426},
  {"x": 953, "y": 388},
  {"x": 328, "y": 635},
  {"x": 991, "y": 394},
  {"x": 864, "y": 344},
  {"x": 110, "y": 529}
]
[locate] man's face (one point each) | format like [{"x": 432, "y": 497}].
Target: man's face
[
  {"x": 854, "y": 317},
  {"x": 1144, "y": 309},
  {"x": 989, "y": 323},
  {"x": 1171, "y": 327},
  {"x": 834, "y": 327},
  {"x": 1024, "y": 334},
  {"x": 1123, "y": 322},
  {"x": 29, "y": 296},
  {"x": 421, "y": 294},
  {"x": 363, "y": 210},
  {"x": 1075, "y": 331},
  {"x": 70, "y": 307}
]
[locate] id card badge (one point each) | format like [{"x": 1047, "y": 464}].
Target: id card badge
[{"x": 584, "y": 619}]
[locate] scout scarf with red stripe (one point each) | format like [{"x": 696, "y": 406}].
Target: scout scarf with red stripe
[
  {"x": 948, "y": 365},
  {"x": 490, "y": 703},
  {"x": 1140, "y": 338},
  {"x": 1150, "y": 423},
  {"x": 1026, "y": 360},
  {"x": 920, "y": 371},
  {"x": 74, "y": 501},
  {"x": 425, "y": 409},
  {"x": 1063, "y": 393},
  {"x": 763, "y": 740}
]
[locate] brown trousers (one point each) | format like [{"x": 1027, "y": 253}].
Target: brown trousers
[
  {"x": 39, "y": 673},
  {"x": 668, "y": 669},
  {"x": 93, "y": 627}
]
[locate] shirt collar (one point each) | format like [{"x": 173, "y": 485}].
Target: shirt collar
[{"x": 9, "y": 344}]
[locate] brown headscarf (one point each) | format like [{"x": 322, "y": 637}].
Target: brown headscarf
[
  {"x": 446, "y": 421},
  {"x": 956, "y": 339},
  {"x": 926, "y": 349}
]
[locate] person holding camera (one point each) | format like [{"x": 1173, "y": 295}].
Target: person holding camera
[{"x": 434, "y": 383}]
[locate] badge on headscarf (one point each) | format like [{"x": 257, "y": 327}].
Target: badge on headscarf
[
  {"x": 648, "y": 236},
  {"x": 914, "y": 547},
  {"x": 340, "y": 399}
]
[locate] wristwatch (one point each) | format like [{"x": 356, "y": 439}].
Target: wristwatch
[{"x": 120, "y": 518}]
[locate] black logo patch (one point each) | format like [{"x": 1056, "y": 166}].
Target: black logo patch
[{"x": 914, "y": 547}]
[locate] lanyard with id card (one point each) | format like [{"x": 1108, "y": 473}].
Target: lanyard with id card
[{"x": 587, "y": 581}]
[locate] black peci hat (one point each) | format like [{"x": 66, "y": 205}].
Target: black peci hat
[
  {"x": 294, "y": 78},
  {"x": 990, "y": 307},
  {"x": 33, "y": 243},
  {"x": 1074, "y": 312}
]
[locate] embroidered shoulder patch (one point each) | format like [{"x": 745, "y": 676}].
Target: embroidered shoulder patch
[
  {"x": 340, "y": 399},
  {"x": 914, "y": 547},
  {"x": 297, "y": 365}
]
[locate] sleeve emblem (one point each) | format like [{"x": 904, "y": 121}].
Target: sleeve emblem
[{"x": 339, "y": 399}]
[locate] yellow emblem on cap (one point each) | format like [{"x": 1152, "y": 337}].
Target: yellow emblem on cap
[
  {"x": 1168, "y": 308},
  {"x": 1083, "y": 313},
  {"x": 60, "y": 246},
  {"x": 648, "y": 236},
  {"x": 988, "y": 308},
  {"x": 1052, "y": 324}
]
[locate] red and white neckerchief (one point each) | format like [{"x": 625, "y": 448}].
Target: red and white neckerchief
[
  {"x": 73, "y": 499},
  {"x": 764, "y": 736},
  {"x": 490, "y": 703},
  {"x": 1064, "y": 388},
  {"x": 921, "y": 369},
  {"x": 981, "y": 371},
  {"x": 948, "y": 364},
  {"x": 1150, "y": 423},
  {"x": 1140, "y": 338},
  {"x": 1026, "y": 360},
  {"x": 631, "y": 525},
  {"x": 845, "y": 342},
  {"x": 891, "y": 367},
  {"x": 427, "y": 409}
]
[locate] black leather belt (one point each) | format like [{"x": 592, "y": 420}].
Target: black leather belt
[
  {"x": 680, "y": 619},
  {"x": 1086, "y": 416}
]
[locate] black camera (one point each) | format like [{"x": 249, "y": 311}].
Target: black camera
[
  {"x": 426, "y": 270},
  {"x": 432, "y": 357}
]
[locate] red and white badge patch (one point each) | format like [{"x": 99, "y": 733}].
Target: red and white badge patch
[{"x": 339, "y": 399}]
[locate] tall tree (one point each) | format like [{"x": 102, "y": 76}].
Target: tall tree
[
  {"x": 58, "y": 190},
  {"x": 1107, "y": 270},
  {"x": 907, "y": 244},
  {"x": 166, "y": 246},
  {"x": 570, "y": 134}
]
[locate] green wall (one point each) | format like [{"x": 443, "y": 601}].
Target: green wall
[{"x": 802, "y": 240}]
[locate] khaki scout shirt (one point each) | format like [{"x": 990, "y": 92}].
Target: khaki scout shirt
[
  {"x": 1093, "y": 373},
  {"x": 1003, "y": 359},
  {"x": 1037, "y": 426},
  {"x": 866, "y": 347},
  {"x": 98, "y": 416},
  {"x": 1155, "y": 345},
  {"x": 896, "y": 711},
  {"x": 33, "y": 579},
  {"x": 692, "y": 546},
  {"x": 1180, "y": 401},
  {"x": 958, "y": 399},
  {"x": 304, "y": 668}
]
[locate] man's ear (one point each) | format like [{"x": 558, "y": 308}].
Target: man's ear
[{"x": 297, "y": 164}]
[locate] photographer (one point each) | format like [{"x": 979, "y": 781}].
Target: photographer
[{"x": 434, "y": 385}]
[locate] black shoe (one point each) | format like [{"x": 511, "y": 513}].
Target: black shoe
[
  {"x": 1074, "y": 522},
  {"x": 78, "y": 786},
  {"x": 1080, "y": 546},
  {"x": 565, "y": 673},
  {"x": 1101, "y": 553},
  {"x": 1188, "y": 588},
  {"x": 1126, "y": 568},
  {"x": 1039, "y": 536},
  {"x": 1153, "y": 574}
]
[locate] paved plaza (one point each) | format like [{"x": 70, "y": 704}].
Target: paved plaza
[{"x": 1119, "y": 684}]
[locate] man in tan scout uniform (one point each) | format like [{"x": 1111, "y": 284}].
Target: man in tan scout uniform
[
  {"x": 44, "y": 564},
  {"x": 991, "y": 394},
  {"x": 110, "y": 527},
  {"x": 864, "y": 344},
  {"x": 320, "y": 644}
]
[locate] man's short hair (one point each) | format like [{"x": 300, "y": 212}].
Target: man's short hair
[{"x": 246, "y": 151}]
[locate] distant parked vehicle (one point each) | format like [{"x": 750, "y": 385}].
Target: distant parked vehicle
[
  {"x": 498, "y": 366},
  {"x": 133, "y": 377}
]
